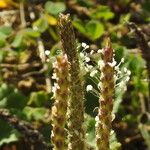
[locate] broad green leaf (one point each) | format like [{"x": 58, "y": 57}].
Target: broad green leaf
[
  {"x": 35, "y": 113},
  {"x": 38, "y": 99},
  {"x": 103, "y": 12},
  {"x": 94, "y": 29},
  {"x": 55, "y": 8},
  {"x": 136, "y": 64},
  {"x": 7, "y": 134},
  {"x": 10, "y": 97},
  {"x": 41, "y": 24}
]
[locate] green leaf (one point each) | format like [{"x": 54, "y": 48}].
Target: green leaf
[
  {"x": 90, "y": 123},
  {"x": 35, "y": 113},
  {"x": 55, "y": 8},
  {"x": 7, "y": 30},
  {"x": 78, "y": 24},
  {"x": 17, "y": 42},
  {"x": 7, "y": 134},
  {"x": 2, "y": 39},
  {"x": 38, "y": 99},
  {"x": 125, "y": 18},
  {"x": 10, "y": 97},
  {"x": 102, "y": 12},
  {"x": 41, "y": 24},
  {"x": 94, "y": 29},
  {"x": 29, "y": 32}
]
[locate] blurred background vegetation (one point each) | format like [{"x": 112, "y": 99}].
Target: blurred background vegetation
[{"x": 29, "y": 41}]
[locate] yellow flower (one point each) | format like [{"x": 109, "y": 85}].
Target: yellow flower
[{"x": 7, "y": 4}]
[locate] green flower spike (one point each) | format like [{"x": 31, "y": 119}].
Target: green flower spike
[
  {"x": 107, "y": 84},
  {"x": 75, "y": 112},
  {"x": 59, "y": 110}
]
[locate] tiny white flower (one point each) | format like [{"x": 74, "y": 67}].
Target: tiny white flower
[
  {"x": 82, "y": 55},
  {"x": 112, "y": 132},
  {"x": 113, "y": 117},
  {"x": 89, "y": 88},
  {"x": 127, "y": 79},
  {"x": 87, "y": 59},
  {"x": 47, "y": 52},
  {"x": 100, "y": 51},
  {"x": 119, "y": 72},
  {"x": 129, "y": 72},
  {"x": 92, "y": 52},
  {"x": 87, "y": 46},
  {"x": 96, "y": 118},
  {"x": 121, "y": 84},
  {"x": 54, "y": 76},
  {"x": 99, "y": 85},
  {"x": 86, "y": 69},
  {"x": 100, "y": 63},
  {"x": 122, "y": 60},
  {"x": 112, "y": 64},
  {"x": 92, "y": 74},
  {"x": 89, "y": 66},
  {"x": 53, "y": 89},
  {"x": 117, "y": 68},
  {"x": 83, "y": 44},
  {"x": 125, "y": 69},
  {"x": 87, "y": 134}
]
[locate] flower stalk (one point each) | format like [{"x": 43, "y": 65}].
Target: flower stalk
[
  {"x": 59, "y": 110},
  {"x": 75, "y": 112},
  {"x": 107, "y": 88}
]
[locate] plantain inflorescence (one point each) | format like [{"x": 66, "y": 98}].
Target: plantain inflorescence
[
  {"x": 61, "y": 95},
  {"x": 75, "y": 114},
  {"x": 107, "y": 88}
]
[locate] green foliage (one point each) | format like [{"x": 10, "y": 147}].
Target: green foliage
[
  {"x": 102, "y": 12},
  {"x": 90, "y": 123},
  {"x": 8, "y": 134},
  {"x": 41, "y": 24},
  {"x": 92, "y": 30},
  {"x": 91, "y": 21},
  {"x": 11, "y": 98},
  {"x": 38, "y": 99},
  {"x": 35, "y": 113},
  {"x": 54, "y": 8},
  {"x": 5, "y": 31}
]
